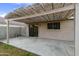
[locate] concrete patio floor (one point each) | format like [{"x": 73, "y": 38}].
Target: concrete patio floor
[{"x": 44, "y": 47}]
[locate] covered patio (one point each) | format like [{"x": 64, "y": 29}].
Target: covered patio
[
  {"x": 42, "y": 13},
  {"x": 44, "y": 47}
]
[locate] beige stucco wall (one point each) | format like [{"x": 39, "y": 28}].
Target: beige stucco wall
[{"x": 66, "y": 31}]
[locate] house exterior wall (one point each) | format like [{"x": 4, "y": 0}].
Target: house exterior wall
[{"x": 66, "y": 31}]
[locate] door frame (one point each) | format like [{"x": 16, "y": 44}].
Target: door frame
[{"x": 33, "y": 30}]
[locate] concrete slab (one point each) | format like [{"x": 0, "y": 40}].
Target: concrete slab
[{"x": 44, "y": 47}]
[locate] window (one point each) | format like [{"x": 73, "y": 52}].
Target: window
[{"x": 55, "y": 25}]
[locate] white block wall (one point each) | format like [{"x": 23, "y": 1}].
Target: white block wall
[{"x": 14, "y": 32}]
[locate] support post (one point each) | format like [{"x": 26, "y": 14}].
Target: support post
[
  {"x": 7, "y": 31},
  {"x": 27, "y": 31}
]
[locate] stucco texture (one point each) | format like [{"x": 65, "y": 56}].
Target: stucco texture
[{"x": 66, "y": 31}]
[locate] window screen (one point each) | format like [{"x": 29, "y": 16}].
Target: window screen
[{"x": 55, "y": 25}]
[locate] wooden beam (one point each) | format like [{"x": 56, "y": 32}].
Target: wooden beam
[
  {"x": 70, "y": 7},
  {"x": 46, "y": 21},
  {"x": 71, "y": 14}
]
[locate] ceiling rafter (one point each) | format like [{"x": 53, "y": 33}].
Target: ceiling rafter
[
  {"x": 44, "y": 10},
  {"x": 53, "y": 13},
  {"x": 36, "y": 11},
  {"x": 58, "y": 15},
  {"x": 69, "y": 13},
  {"x": 25, "y": 11},
  {"x": 28, "y": 11},
  {"x": 62, "y": 5},
  {"x": 51, "y": 8},
  {"x": 20, "y": 11},
  {"x": 17, "y": 12},
  {"x": 31, "y": 11}
]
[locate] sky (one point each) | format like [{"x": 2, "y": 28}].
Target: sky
[{"x": 5, "y": 8}]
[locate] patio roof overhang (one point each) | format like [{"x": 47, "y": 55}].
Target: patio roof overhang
[{"x": 42, "y": 12}]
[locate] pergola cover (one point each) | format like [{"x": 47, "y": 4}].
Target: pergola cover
[{"x": 42, "y": 12}]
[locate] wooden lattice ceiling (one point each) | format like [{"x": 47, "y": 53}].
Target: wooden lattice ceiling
[{"x": 40, "y": 8}]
